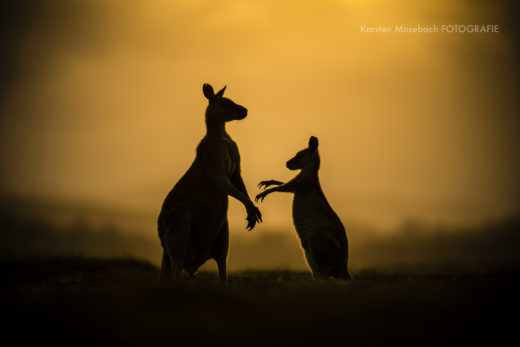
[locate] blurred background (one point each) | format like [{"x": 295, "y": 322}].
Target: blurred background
[{"x": 101, "y": 111}]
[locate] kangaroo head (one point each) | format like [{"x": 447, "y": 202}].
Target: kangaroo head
[
  {"x": 307, "y": 158},
  {"x": 221, "y": 109}
]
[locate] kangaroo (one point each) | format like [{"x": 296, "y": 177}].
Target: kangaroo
[
  {"x": 192, "y": 224},
  {"x": 321, "y": 232}
]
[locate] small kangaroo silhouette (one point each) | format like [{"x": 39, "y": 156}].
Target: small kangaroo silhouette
[
  {"x": 193, "y": 225},
  {"x": 321, "y": 232}
]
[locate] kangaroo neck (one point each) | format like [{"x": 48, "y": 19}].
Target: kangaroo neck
[
  {"x": 215, "y": 129},
  {"x": 310, "y": 179}
]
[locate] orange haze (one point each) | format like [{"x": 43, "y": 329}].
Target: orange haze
[{"x": 103, "y": 103}]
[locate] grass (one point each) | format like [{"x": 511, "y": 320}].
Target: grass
[{"x": 87, "y": 301}]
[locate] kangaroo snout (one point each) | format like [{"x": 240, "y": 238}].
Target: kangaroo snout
[
  {"x": 291, "y": 165},
  {"x": 242, "y": 113}
]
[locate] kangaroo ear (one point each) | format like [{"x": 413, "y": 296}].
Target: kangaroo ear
[
  {"x": 313, "y": 143},
  {"x": 208, "y": 91},
  {"x": 221, "y": 92}
]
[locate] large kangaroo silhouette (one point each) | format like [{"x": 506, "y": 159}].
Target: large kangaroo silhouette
[
  {"x": 321, "y": 232},
  {"x": 193, "y": 225}
]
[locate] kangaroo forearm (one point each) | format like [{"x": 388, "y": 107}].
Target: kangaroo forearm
[
  {"x": 284, "y": 188},
  {"x": 225, "y": 186},
  {"x": 273, "y": 182},
  {"x": 289, "y": 187},
  {"x": 238, "y": 182},
  {"x": 217, "y": 177}
]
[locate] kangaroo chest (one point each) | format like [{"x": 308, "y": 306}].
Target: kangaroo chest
[
  {"x": 306, "y": 217},
  {"x": 229, "y": 153},
  {"x": 312, "y": 215}
]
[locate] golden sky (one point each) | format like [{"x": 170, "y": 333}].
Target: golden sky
[{"x": 103, "y": 103}]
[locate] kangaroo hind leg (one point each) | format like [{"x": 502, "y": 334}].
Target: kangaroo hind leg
[
  {"x": 177, "y": 242},
  {"x": 343, "y": 273},
  {"x": 323, "y": 251},
  {"x": 313, "y": 265},
  {"x": 166, "y": 268},
  {"x": 220, "y": 251}
]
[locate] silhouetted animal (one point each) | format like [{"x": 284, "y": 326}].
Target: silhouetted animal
[
  {"x": 321, "y": 232},
  {"x": 193, "y": 225}
]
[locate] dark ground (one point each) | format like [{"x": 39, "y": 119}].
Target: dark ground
[{"x": 86, "y": 301}]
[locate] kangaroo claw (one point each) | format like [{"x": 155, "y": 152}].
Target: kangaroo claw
[
  {"x": 266, "y": 184},
  {"x": 260, "y": 197},
  {"x": 253, "y": 216}
]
